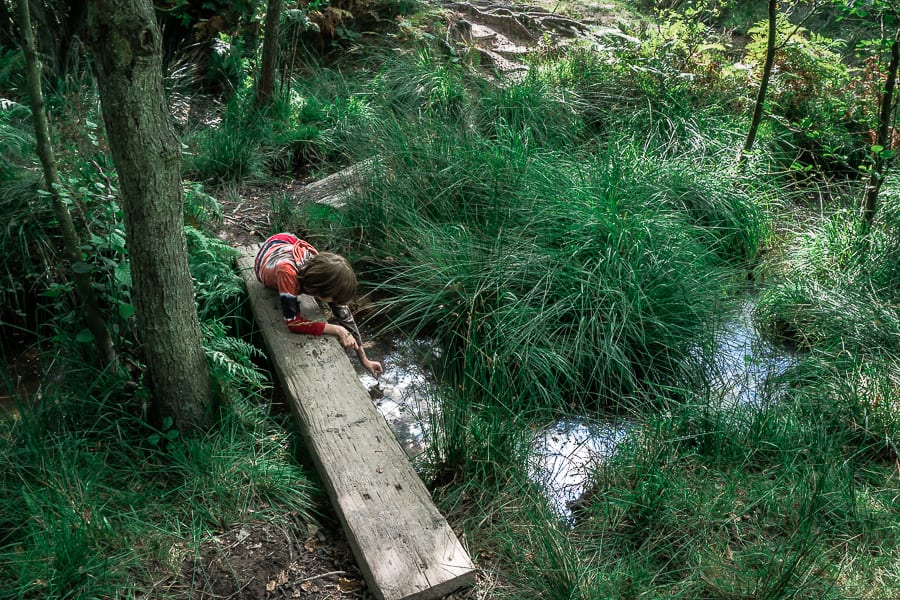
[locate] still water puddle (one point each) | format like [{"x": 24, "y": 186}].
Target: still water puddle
[
  {"x": 745, "y": 363},
  {"x": 564, "y": 453},
  {"x": 404, "y": 394}
]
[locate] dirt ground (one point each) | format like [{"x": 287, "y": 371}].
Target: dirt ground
[
  {"x": 246, "y": 215},
  {"x": 261, "y": 560}
]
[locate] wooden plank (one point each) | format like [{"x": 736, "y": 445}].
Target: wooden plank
[
  {"x": 337, "y": 187},
  {"x": 404, "y": 546}
]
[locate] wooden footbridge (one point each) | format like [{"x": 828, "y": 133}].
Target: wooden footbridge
[{"x": 403, "y": 545}]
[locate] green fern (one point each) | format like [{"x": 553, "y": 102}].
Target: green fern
[
  {"x": 216, "y": 284},
  {"x": 230, "y": 358},
  {"x": 200, "y": 208}
]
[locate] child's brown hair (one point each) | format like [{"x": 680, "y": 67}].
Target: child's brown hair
[{"x": 328, "y": 275}]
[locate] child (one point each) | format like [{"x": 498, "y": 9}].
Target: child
[{"x": 293, "y": 267}]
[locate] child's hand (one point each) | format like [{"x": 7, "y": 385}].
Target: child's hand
[
  {"x": 344, "y": 337},
  {"x": 373, "y": 367}
]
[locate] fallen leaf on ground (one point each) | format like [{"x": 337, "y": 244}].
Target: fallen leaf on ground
[
  {"x": 280, "y": 580},
  {"x": 349, "y": 585}
]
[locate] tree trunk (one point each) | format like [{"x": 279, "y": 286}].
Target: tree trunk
[
  {"x": 127, "y": 51},
  {"x": 46, "y": 40},
  {"x": 883, "y": 139},
  {"x": 90, "y": 311},
  {"x": 763, "y": 84},
  {"x": 266, "y": 88}
]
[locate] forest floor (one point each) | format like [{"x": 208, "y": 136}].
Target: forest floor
[{"x": 261, "y": 559}]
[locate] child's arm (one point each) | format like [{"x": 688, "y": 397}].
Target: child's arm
[
  {"x": 373, "y": 367},
  {"x": 344, "y": 316}
]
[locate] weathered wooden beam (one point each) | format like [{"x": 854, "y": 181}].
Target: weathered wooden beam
[{"x": 404, "y": 546}]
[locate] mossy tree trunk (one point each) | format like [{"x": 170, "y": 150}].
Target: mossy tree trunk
[
  {"x": 763, "y": 83},
  {"x": 126, "y": 45},
  {"x": 266, "y": 85},
  {"x": 883, "y": 138},
  {"x": 93, "y": 318}
]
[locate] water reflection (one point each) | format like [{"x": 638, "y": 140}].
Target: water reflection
[
  {"x": 404, "y": 394},
  {"x": 565, "y": 455},
  {"x": 745, "y": 363}
]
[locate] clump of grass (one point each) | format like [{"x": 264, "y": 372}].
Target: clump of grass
[
  {"x": 229, "y": 151},
  {"x": 247, "y": 143},
  {"x": 836, "y": 302},
  {"x": 101, "y": 499},
  {"x": 756, "y": 501},
  {"x": 722, "y": 209},
  {"x": 567, "y": 278},
  {"x": 837, "y": 290},
  {"x": 425, "y": 83}
]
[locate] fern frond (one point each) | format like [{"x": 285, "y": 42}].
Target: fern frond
[{"x": 230, "y": 358}]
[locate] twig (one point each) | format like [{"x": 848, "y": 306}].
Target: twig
[{"x": 322, "y": 576}]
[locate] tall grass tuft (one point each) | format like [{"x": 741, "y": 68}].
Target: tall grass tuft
[
  {"x": 570, "y": 281},
  {"x": 246, "y": 142},
  {"x": 838, "y": 290},
  {"x": 701, "y": 502},
  {"x": 836, "y": 302}
]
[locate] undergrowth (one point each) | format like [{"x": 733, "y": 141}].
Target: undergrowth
[
  {"x": 571, "y": 240},
  {"x": 96, "y": 502},
  {"x": 571, "y": 260}
]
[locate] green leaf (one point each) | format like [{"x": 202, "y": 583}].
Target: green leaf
[
  {"x": 153, "y": 440},
  {"x": 122, "y": 274},
  {"x": 126, "y": 311},
  {"x": 85, "y": 336},
  {"x": 116, "y": 241},
  {"x": 167, "y": 423},
  {"x": 81, "y": 267}
]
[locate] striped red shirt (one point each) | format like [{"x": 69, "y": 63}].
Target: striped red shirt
[{"x": 277, "y": 266}]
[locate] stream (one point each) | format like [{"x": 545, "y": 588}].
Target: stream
[{"x": 564, "y": 452}]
